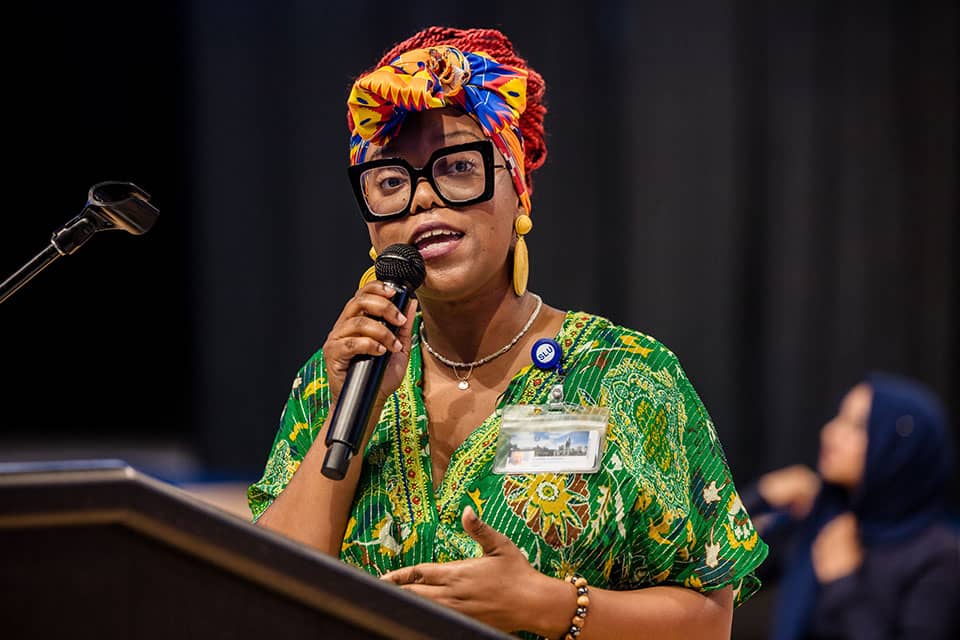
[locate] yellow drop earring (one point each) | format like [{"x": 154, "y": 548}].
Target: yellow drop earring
[
  {"x": 370, "y": 274},
  {"x": 521, "y": 261}
]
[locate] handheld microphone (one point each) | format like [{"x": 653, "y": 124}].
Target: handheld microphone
[{"x": 401, "y": 267}]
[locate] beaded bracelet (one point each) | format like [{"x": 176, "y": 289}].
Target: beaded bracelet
[{"x": 583, "y": 601}]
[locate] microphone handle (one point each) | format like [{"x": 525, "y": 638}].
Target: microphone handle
[{"x": 352, "y": 413}]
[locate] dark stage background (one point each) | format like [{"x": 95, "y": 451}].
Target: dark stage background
[{"x": 768, "y": 188}]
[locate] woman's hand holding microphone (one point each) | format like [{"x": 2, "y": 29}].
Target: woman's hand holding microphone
[{"x": 359, "y": 331}]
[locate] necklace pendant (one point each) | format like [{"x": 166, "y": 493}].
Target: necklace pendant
[{"x": 463, "y": 385}]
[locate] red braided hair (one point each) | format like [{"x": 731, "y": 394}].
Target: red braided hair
[{"x": 499, "y": 47}]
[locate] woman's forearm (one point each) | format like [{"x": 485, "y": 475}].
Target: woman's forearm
[
  {"x": 313, "y": 509},
  {"x": 664, "y": 612}
]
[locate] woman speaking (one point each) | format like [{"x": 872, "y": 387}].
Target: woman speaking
[{"x": 544, "y": 471}]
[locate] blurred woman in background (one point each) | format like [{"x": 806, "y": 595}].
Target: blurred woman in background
[{"x": 862, "y": 547}]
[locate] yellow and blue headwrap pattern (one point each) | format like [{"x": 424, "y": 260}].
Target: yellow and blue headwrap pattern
[{"x": 441, "y": 76}]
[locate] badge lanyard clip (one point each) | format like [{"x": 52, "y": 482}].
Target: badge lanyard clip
[{"x": 547, "y": 355}]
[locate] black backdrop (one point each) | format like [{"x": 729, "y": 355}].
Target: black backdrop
[{"x": 768, "y": 188}]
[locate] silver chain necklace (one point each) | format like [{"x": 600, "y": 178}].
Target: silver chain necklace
[{"x": 463, "y": 385}]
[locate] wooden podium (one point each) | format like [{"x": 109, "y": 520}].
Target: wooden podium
[{"x": 98, "y": 549}]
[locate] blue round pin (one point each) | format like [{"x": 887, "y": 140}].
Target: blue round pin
[{"x": 546, "y": 353}]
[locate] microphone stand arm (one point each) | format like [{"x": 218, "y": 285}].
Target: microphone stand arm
[
  {"x": 110, "y": 205},
  {"x": 65, "y": 241}
]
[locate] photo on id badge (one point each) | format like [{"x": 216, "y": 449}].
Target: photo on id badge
[{"x": 560, "y": 451}]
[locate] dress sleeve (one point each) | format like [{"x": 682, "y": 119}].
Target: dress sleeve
[
  {"x": 302, "y": 418},
  {"x": 689, "y": 526}
]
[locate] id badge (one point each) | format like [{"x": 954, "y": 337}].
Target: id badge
[{"x": 554, "y": 438}]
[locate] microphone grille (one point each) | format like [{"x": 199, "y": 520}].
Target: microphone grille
[{"x": 403, "y": 263}]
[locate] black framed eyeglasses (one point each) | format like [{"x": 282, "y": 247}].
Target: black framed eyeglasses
[{"x": 461, "y": 175}]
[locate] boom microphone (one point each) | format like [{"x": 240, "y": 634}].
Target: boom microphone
[{"x": 401, "y": 267}]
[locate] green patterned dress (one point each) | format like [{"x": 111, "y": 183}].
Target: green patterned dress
[{"x": 662, "y": 509}]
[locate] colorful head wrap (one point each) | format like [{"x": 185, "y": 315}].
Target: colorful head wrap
[{"x": 494, "y": 94}]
